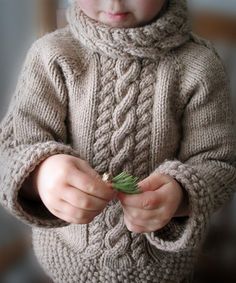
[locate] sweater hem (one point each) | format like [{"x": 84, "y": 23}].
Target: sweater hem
[{"x": 62, "y": 265}]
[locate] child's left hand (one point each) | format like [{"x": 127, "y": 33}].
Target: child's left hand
[{"x": 161, "y": 199}]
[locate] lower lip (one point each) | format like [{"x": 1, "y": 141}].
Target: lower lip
[{"x": 117, "y": 17}]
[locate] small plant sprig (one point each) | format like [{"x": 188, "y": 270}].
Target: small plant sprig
[{"x": 123, "y": 182}]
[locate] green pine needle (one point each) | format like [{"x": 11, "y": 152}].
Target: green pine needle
[{"x": 125, "y": 183}]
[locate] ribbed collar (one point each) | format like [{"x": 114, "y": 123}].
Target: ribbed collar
[{"x": 169, "y": 31}]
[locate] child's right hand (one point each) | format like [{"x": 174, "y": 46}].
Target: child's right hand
[{"x": 71, "y": 189}]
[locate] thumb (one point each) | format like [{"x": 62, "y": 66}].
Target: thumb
[
  {"x": 84, "y": 166},
  {"x": 153, "y": 182}
]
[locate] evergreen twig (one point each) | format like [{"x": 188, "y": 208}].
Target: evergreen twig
[{"x": 124, "y": 182}]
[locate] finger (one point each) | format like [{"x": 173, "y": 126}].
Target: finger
[
  {"x": 142, "y": 216},
  {"x": 173, "y": 196},
  {"x": 92, "y": 186},
  {"x": 135, "y": 228},
  {"x": 60, "y": 215},
  {"x": 68, "y": 219},
  {"x": 146, "y": 200},
  {"x": 82, "y": 200},
  {"x": 68, "y": 211},
  {"x": 84, "y": 166},
  {"x": 56, "y": 212},
  {"x": 150, "y": 225},
  {"x": 153, "y": 182}
]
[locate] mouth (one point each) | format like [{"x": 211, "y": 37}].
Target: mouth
[{"x": 117, "y": 16}]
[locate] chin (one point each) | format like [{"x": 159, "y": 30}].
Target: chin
[{"x": 120, "y": 25}]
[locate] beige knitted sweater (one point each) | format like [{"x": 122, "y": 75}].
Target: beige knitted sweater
[{"x": 139, "y": 99}]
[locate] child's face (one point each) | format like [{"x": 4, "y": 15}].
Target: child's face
[{"x": 122, "y": 13}]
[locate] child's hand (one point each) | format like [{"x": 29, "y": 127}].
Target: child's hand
[
  {"x": 161, "y": 199},
  {"x": 71, "y": 189}
]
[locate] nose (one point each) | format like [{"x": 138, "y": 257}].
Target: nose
[{"x": 116, "y": 5}]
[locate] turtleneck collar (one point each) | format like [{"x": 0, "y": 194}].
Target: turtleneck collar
[{"x": 169, "y": 31}]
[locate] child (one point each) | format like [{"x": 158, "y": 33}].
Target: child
[{"x": 125, "y": 87}]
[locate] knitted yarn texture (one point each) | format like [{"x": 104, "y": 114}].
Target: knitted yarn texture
[
  {"x": 150, "y": 41},
  {"x": 142, "y": 100}
]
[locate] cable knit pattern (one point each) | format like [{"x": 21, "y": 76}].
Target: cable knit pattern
[
  {"x": 145, "y": 100},
  {"x": 103, "y": 132},
  {"x": 139, "y": 249},
  {"x": 117, "y": 240},
  {"x": 144, "y": 119},
  {"x": 77, "y": 271},
  {"x": 124, "y": 116},
  {"x": 138, "y": 42},
  {"x": 96, "y": 234}
]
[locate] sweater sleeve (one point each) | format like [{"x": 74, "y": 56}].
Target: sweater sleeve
[
  {"x": 205, "y": 165},
  {"x": 32, "y": 130}
]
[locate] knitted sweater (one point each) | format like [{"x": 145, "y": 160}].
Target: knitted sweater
[{"x": 152, "y": 98}]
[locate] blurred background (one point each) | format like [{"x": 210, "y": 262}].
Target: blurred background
[{"x": 22, "y": 22}]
